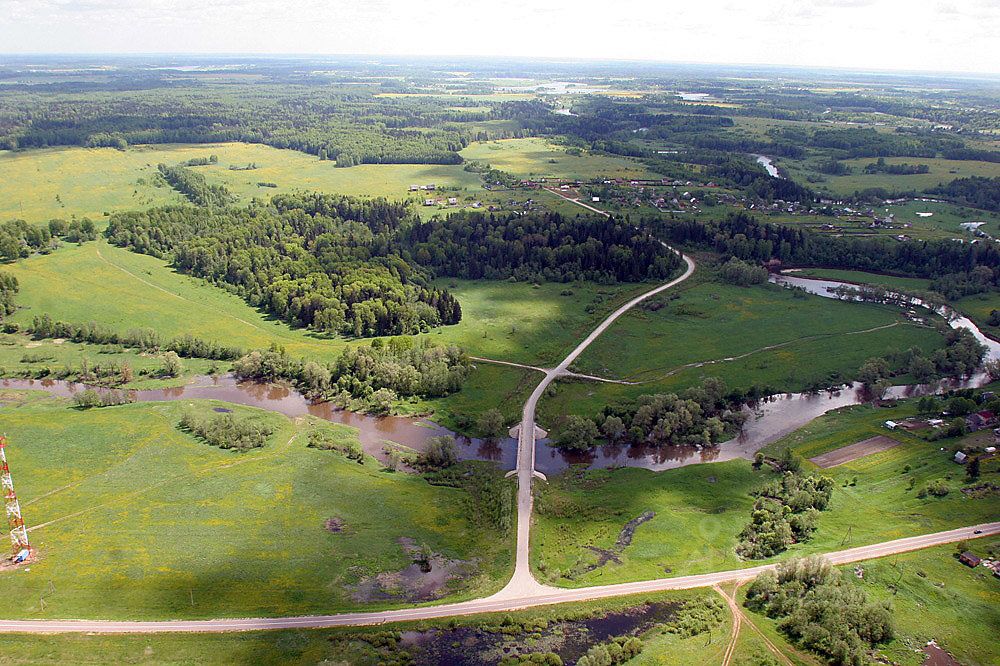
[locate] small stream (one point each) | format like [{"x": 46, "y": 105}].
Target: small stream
[{"x": 769, "y": 421}]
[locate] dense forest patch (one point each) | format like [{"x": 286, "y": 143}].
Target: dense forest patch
[{"x": 362, "y": 267}]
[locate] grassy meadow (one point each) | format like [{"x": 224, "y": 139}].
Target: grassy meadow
[
  {"x": 941, "y": 172},
  {"x": 121, "y": 290},
  {"x": 765, "y": 335},
  {"x": 526, "y": 323},
  {"x": 539, "y": 158},
  {"x": 700, "y": 509},
  {"x": 133, "y": 518},
  {"x": 38, "y": 185},
  {"x": 512, "y": 321},
  {"x": 22, "y": 356}
]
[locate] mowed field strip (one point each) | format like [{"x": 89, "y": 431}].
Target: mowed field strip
[{"x": 854, "y": 451}]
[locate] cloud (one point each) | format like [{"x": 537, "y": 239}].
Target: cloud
[{"x": 901, "y": 34}]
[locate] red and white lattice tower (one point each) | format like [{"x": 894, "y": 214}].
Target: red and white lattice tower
[{"x": 18, "y": 534}]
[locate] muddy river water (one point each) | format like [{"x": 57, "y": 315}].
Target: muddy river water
[{"x": 769, "y": 421}]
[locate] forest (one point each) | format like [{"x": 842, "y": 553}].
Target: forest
[
  {"x": 362, "y": 267},
  {"x": 325, "y": 262},
  {"x": 545, "y": 246}
]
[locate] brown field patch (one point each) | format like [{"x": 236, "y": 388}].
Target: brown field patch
[{"x": 846, "y": 454}]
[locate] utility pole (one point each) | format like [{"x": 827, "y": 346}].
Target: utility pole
[{"x": 18, "y": 534}]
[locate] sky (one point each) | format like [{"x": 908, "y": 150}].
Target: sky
[{"x": 921, "y": 35}]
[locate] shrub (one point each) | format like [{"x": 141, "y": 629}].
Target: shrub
[{"x": 226, "y": 430}]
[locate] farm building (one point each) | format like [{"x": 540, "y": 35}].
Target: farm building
[
  {"x": 969, "y": 559},
  {"x": 960, "y": 457}
]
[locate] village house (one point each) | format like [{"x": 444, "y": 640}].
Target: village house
[
  {"x": 979, "y": 420},
  {"x": 969, "y": 559}
]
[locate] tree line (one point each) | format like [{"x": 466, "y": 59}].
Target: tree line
[
  {"x": 374, "y": 375},
  {"x": 142, "y": 339},
  {"x": 539, "y": 246},
  {"x": 743, "y": 236},
  {"x": 194, "y": 186}
]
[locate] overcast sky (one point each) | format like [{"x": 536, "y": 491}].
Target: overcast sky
[{"x": 936, "y": 35}]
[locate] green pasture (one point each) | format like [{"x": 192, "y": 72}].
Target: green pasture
[
  {"x": 941, "y": 172},
  {"x": 511, "y": 321},
  {"x": 700, "y": 509},
  {"x": 771, "y": 336},
  {"x": 539, "y": 158},
  {"x": 134, "y": 519},
  {"x": 38, "y": 185},
  {"x": 21, "y": 356},
  {"x": 122, "y": 290}
]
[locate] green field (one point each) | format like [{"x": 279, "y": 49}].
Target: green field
[
  {"x": 701, "y": 508},
  {"x": 120, "y": 289},
  {"x": 771, "y": 335},
  {"x": 977, "y": 306},
  {"x": 934, "y": 597},
  {"x": 539, "y": 158},
  {"x": 123, "y": 290},
  {"x": 38, "y": 185},
  {"x": 21, "y": 356},
  {"x": 942, "y": 171},
  {"x": 132, "y": 518},
  {"x": 525, "y": 323}
]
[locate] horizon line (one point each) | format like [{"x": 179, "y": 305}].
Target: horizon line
[{"x": 501, "y": 58}]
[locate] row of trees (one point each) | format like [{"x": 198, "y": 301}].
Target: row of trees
[
  {"x": 352, "y": 127},
  {"x": 143, "y": 339},
  {"x": 699, "y": 417},
  {"x": 743, "y": 236},
  {"x": 879, "y": 166},
  {"x": 380, "y": 372},
  {"x": 974, "y": 191},
  {"x": 194, "y": 186}
]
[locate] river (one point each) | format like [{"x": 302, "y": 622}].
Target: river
[{"x": 767, "y": 422}]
